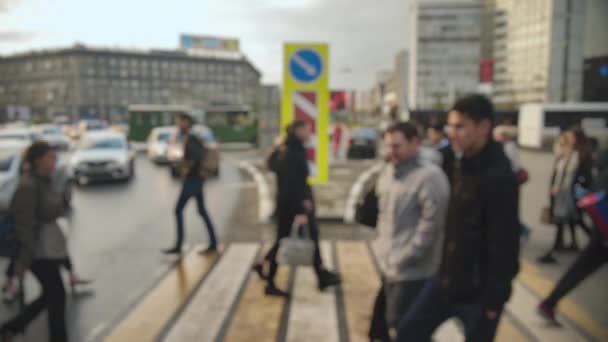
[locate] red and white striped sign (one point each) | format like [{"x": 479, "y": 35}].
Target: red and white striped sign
[{"x": 306, "y": 107}]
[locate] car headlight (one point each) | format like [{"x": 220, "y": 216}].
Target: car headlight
[{"x": 120, "y": 161}]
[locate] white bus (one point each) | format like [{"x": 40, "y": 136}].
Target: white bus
[{"x": 540, "y": 123}]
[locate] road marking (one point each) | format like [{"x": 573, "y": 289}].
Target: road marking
[
  {"x": 215, "y": 298},
  {"x": 531, "y": 276},
  {"x": 313, "y": 315},
  {"x": 356, "y": 192},
  {"x": 360, "y": 284},
  {"x": 148, "y": 319},
  {"x": 523, "y": 306},
  {"x": 265, "y": 202},
  {"x": 257, "y": 317},
  {"x": 98, "y": 329}
]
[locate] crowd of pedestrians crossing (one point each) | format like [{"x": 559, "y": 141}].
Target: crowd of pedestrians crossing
[{"x": 446, "y": 215}]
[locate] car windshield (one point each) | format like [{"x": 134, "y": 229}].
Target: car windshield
[
  {"x": 207, "y": 136},
  {"x": 365, "y": 133},
  {"x": 51, "y": 131},
  {"x": 105, "y": 144},
  {"x": 6, "y": 159},
  {"x": 95, "y": 126},
  {"x": 164, "y": 136}
]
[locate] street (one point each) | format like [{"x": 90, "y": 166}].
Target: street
[{"x": 116, "y": 232}]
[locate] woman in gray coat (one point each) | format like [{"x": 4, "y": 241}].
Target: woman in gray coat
[{"x": 35, "y": 207}]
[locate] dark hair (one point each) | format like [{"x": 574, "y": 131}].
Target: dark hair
[
  {"x": 36, "y": 151},
  {"x": 476, "y": 107},
  {"x": 439, "y": 127},
  {"x": 297, "y": 124},
  {"x": 583, "y": 144},
  {"x": 187, "y": 117},
  {"x": 409, "y": 130}
]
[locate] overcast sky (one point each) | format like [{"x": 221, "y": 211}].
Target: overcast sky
[{"x": 364, "y": 35}]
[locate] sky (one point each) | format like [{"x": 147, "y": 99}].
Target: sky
[{"x": 364, "y": 35}]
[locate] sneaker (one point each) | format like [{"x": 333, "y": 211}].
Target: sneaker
[
  {"x": 328, "y": 279},
  {"x": 547, "y": 259},
  {"x": 174, "y": 250},
  {"x": 547, "y": 312},
  {"x": 259, "y": 269},
  {"x": 274, "y": 291}
]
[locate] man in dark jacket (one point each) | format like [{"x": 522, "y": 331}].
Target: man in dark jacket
[
  {"x": 295, "y": 204},
  {"x": 194, "y": 153},
  {"x": 481, "y": 249}
]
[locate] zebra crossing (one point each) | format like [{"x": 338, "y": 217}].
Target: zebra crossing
[{"x": 229, "y": 304}]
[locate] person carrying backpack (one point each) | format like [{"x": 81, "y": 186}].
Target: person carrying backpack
[{"x": 192, "y": 173}]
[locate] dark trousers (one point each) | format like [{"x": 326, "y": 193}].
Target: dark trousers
[
  {"x": 432, "y": 308},
  {"x": 590, "y": 259},
  {"x": 285, "y": 220},
  {"x": 10, "y": 270},
  {"x": 52, "y": 299},
  {"x": 193, "y": 187},
  {"x": 392, "y": 303}
]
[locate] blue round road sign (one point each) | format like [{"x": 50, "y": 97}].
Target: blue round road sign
[{"x": 305, "y": 65}]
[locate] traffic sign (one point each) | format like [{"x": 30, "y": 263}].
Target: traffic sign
[
  {"x": 305, "y": 65},
  {"x": 306, "y": 97}
]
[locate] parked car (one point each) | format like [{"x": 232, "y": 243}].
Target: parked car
[
  {"x": 103, "y": 155},
  {"x": 54, "y": 135},
  {"x": 24, "y": 134},
  {"x": 158, "y": 143},
  {"x": 175, "y": 151},
  {"x": 11, "y": 160},
  {"x": 363, "y": 143}
]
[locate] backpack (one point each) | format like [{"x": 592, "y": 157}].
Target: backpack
[
  {"x": 210, "y": 165},
  {"x": 273, "y": 160}
]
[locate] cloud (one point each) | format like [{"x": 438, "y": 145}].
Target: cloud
[
  {"x": 7, "y": 5},
  {"x": 364, "y": 36},
  {"x": 15, "y": 36}
]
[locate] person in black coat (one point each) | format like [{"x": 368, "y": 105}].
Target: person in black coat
[
  {"x": 481, "y": 247},
  {"x": 295, "y": 205}
]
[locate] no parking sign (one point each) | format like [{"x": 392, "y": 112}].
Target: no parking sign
[{"x": 306, "y": 97}]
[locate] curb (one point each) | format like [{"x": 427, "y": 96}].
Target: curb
[{"x": 265, "y": 203}]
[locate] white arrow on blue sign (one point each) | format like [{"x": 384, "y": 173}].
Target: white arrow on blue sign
[{"x": 305, "y": 65}]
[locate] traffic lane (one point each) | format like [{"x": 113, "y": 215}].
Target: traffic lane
[{"x": 116, "y": 232}]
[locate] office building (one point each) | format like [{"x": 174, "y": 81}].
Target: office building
[
  {"x": 85, "y": 81},
  {"x": 444, "y": 52}
]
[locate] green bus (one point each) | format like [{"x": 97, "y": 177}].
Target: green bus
[
  {"x": 143, "y": 118},
  {"x": 232, "y": 124}
]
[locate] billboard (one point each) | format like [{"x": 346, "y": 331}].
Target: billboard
[
  {"x": 208, "y": 43},
  {"x": 306, "y": 97}
]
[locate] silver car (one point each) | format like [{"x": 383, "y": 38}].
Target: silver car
[{"x": 102, "y": 156}]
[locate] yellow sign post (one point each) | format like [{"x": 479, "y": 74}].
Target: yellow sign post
[{"x": 306, "y": 97}]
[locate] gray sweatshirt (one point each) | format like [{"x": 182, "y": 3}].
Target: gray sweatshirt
[{"x": 413, "y": 201}]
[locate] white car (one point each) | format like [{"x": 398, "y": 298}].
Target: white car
[
  {"x": 102, "y": 156},
  {"x": 11, "y": 159},
  {"x": 23, "y": 134},
  {"x": 87, "y": 126},
  {"x": 54, "y": 136},
  {"x": 158, "y": 143}
]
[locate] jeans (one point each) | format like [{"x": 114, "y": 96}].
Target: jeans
[
  {"x": 432, "y": 308},
  {"x": 193, "y": 187},
  {"x": 52, "y": 299},
  {"x": 590, "y": 259},
  {"x": 392, "y": 303},
  {"x": 284, "y": 226}
]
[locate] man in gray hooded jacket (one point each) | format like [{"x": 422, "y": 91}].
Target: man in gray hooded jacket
[{"x": 413, "y": 201}]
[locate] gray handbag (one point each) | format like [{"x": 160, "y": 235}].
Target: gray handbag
[
  {"x": 296, "y": 250},
  {"x": 564, "y": 208}
]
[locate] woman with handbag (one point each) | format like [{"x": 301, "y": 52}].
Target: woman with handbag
[
  {"x": 572, "y": 166},
  {"x": 36, "y": 206}
]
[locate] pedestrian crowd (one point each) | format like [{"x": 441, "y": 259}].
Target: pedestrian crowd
[{"x": 445, "y": 209}]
